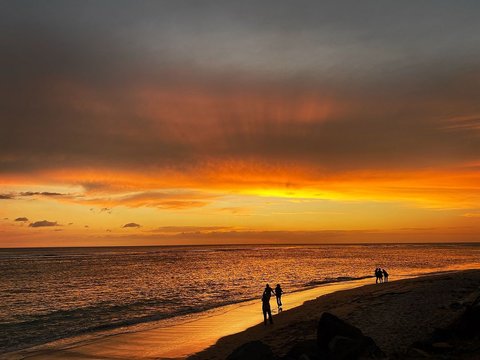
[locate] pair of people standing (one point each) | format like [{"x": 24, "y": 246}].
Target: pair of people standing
[
  {"x": 267, "y": 294},
  {"x": 381, "y": 275}
]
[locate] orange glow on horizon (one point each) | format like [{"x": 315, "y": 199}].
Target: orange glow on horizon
[{"x": 244, "y": 203}]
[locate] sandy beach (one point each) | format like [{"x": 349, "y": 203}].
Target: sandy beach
[{"x": 394, "y": 314}]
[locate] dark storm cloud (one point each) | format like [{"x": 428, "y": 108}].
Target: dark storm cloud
[
  {"x": 43, "y": 193},
  {"x": 160, "y": 85},
  {"x": 33, "y": 194},
  {"x": 131, "y": 225},
  {"x": 283, "y": 35},
  {"x": 22, "y": 219},
  {"x": 43, "y": 223}
]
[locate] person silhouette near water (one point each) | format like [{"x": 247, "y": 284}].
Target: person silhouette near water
[
  {"x": 385, "y": 275},
  {"x": 267, "y": 294},
  {"x": 268, "y": 291},
  {"x": 278, "y": 295},
  {"x": 378, "y": 275}
]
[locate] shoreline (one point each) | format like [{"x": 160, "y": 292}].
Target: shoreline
[
  {"x": 169, "y": 320},
  {"x": 400, "y": 316},
  {"x": 202, "y": 331},
  {"x": 247, "y": 313}
]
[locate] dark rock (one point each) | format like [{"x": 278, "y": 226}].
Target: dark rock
[
  {"x": 305, "y": 350},
  {"x": 442, "y": 346},
  {"x": 371, "y": 350},
  {"x": 467, "y": 324},
  {"x": 344, "y": 348},
  {"x": 456, "y": 305},
  {"x": 330, "y": 326},
  {"x": 338, "y": 339},
  {"x": 454, "y": 341},
  {"x": 440, "y": 335},
  {"x": 415, "y": 353},
  {"x": 254, "y": 350}
]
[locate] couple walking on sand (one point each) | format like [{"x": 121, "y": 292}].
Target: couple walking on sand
[
  {"x": 267, "y": 294},
  {"x": 381, "y": 275}
]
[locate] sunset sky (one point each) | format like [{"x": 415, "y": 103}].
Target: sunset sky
[{"x": 205, "y": 122}]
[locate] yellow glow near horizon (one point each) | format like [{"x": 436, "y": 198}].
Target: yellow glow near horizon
[{"x": 431, "y": 202}]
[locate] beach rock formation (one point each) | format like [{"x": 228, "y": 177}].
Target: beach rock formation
[
  {"x": 331, "y": 326},
  {"x": 468, "y": 323},
  {"x": 253, "y": 350},
  {"x": 460, "y": 340},
  {"x": 336, "y": 340},
  {"x": 339, "y": 340},
  {"x": 304, "y": 350}
]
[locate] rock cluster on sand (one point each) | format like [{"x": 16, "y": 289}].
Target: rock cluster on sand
[
  {"x": 339, "y": 340},
  {"x": 435, "y": 317},
  {"x": 253, "y": 350},
  {"x": 460, "y": 340},
  {"x": 336, "y": 340}
]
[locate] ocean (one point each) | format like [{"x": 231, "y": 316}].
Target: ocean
[{"x": 55, "y": 293}]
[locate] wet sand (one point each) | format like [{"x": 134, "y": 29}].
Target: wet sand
[{"x": 182, "y": 339}]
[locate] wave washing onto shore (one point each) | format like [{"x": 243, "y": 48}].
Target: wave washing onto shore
[
  {"x": 49, "y": 294},
  {"x": 335, "y": 280}
]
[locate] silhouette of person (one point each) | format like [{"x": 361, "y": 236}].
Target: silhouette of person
[
  {"x": 378, "y": 275},
  {"x": 268, "y": 291},
  {"x": 266, "y": 309},
  {"x": 385, "y": 275},
  {"x": 278, "y": 295}
]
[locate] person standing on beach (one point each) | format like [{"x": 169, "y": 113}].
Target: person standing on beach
[
  {"x": 267, "y": 294},
  {"x": 278, "y": 295},
  {"x": 385, "y": 275},
  {"x": 266, "y": 309},
  {"x": 268, "y": 291},
  {"x": 378, "y": 275}
]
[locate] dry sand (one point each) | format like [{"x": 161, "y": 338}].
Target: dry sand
[{"x": 394, "y": 314}]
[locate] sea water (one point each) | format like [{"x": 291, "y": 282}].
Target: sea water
[{"x": 55, "y": 293}]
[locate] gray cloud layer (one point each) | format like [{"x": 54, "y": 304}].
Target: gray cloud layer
[
  {"x": 32, "y": 194},
  {"x": 43, "y": 223},
  {"x": 177, "y": 85}
]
